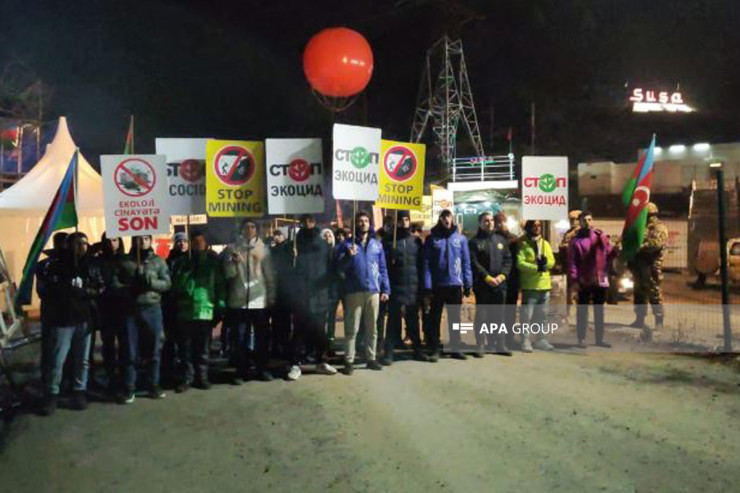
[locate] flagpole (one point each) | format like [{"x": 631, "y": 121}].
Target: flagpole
[
  {"x": 132, "y": 135},
  {"x": 77, "y": 179}
]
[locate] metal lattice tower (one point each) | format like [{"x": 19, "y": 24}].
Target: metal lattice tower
[{"x": 446, "y": 102}]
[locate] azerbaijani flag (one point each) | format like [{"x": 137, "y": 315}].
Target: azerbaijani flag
[
  {"x": 635, "y": 197},
  {"x": 129, "y": 147},
  {"x": 62, "y": 214}
]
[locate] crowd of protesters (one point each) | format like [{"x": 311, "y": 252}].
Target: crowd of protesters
[{"x": 278, "y": 300}]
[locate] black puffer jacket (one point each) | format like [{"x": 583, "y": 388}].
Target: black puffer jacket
[
  {"x": 312, "y": 274},
  {"x": 404, "y": 266},
  {"x": 489, "y": 256},
  {"x": 66, "y": 305}
]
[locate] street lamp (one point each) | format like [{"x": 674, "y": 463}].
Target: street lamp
[{"x": 718, "y": 167}]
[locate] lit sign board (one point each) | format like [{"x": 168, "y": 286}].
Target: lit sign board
[{"x": 644, "y": 101}]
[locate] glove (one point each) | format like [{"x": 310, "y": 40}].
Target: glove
[
  {"x": 542, "y": 264},
  {"x": 77, "y": 282},
  {"x": 466, "y": 291}
]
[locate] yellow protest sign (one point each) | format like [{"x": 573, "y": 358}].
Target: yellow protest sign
[
  {"x": 235, "y": 178},
  {"x": 401, "y": 175}
]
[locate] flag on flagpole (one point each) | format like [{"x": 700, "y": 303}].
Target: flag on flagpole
[
  {"x": 62, "y": 214},
  {"x": 636, "y": 196},
  {"x": 129, "y": 147}
]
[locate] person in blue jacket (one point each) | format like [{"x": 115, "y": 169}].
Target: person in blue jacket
[
  {"x": 362, "y": 262},
  {"x": 447, "y": 277}
]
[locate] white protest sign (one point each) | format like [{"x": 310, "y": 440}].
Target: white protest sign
[
  {"x": 186, "y": 177},
  {"x": 295, "y": 176},
  {"x": 545, "y": 188},
  {"x": 135, "y": 195},
  {"x": 356, "y": 160},
  {"x": 441, "y": 199}
]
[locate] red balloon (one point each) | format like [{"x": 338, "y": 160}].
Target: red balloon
[{"x": 338, "y": 62}]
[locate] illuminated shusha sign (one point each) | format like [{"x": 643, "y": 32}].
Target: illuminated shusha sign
[{"x": 645, "y": 101}]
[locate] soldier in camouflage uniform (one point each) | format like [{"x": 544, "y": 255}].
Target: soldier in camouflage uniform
[
  {"x": 571, "y": 294},
  {"x": 647, "y": 272}
]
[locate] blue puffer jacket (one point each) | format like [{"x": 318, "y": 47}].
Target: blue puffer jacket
[
  {"x": 446, "y": 260},
  {"x": 366, "y": 270}
]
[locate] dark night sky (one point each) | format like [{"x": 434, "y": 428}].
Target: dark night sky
[{"x": 233, "y": 69}]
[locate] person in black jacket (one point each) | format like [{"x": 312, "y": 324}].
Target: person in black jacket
[
  {"x": 73, "y": 281},
  {"x": 281, "y": 252},
  {"x": 169, "y": 360},
  {"x": 490, "y": 260},
  {"x": 512, "y": 282},
  {"x": 403, "y": 257},
  {"x": 312, "y": 278},
  {"x": 111, "y": 304}
]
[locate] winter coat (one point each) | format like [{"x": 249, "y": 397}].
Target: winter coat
[
  {"x": 404, "y": 266},
  {"x": 198, "y": 286},
  {"x": 489, "y": 257},
  {"x": 312, "y": 275},
  {"x": 42, "y": 280},
  {"x": 589, "y": 254},
  {"x": 365, "y": 271},
  {"x": 250, "y": 284},
  {"x": 142, "y": 279},
  {"x": 66, "y": 305},
  {"x": 281, "y": 258},
  {"x": 529, "y": 251},
  {"x": 446, "y": 259}
]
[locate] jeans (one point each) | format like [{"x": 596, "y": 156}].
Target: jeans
[
  {"x": 535, "y": 305},
  {"x": 585, "y": 296},
  {"x": 112, "y": 334},
  {"x": 441, "y": 296},
  {"x": 410, "y": 313},
  {"x": 143, "y": 341},
  {"x": 252, "y": 332},
  {"x": 193, "y": 345},
  {"x": 280, "y": 318},
  {"x": 76, "y": 339},
  {"x": 361, "y": 309}
]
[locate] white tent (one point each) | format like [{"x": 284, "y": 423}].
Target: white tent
[{"x": 23, "y": 206}]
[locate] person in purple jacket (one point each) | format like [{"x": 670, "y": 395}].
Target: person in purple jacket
[
  {"x": 588, "y": 270},
  {"x": 447, "y": 277},
  {"x": 362, "y": 261}
]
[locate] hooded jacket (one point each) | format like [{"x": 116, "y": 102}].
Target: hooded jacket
[
  {"x": 489, "y": 257},
  {"x": 588, "y": 258},
  {"x": 66, "y": 305},
  {"x": 404, "y": 266},
  {"x": 142, "y": 286},
  {"x": 312, "y": 274},
  {"x": 198, "y": 285},
  {"x": 529, "y": 251},
  {"x": 366, "y": 270},
  {"x": 250, "y": 284},
  {"x": 446, "y": 259}
]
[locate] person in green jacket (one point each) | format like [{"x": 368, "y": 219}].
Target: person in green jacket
[
  {"x": 198, "y": 286},
  {"x": 141, "y": 277},
  {"x": 534, "y": 260}
]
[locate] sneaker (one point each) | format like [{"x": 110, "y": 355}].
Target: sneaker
[
  {"x": 419, "y": 356},
  {"x": 504, "y": 351},
  {"x": 325, "y": 369},
  {"x": 527, "y": 346},
  {"x": 202, "y": 384},
  {"x": 182, "y": 388},
  {"x": 434, "y": 357},
  {"x": 265, "y": 376},
  {"x": 647, "y": 335},
  {"x": 458, "y": 355},
  {"x": 374, "y": 365},
  {"x": 128, "y": 398},
  {"x": 349, "y": 368},
  {"x": 386, "y": 360},
  {"x": 156, "y": 393},
  {"x": 603, "y": 344},
  {"x": 582, "y": 344},
  {"x": 480, "y": 352},
  {"x": 543, "y": 345},
  {"x": 79, "y": 400},
  {"x": 49, "y": 405},
  {"x": 294, "y": 373}
]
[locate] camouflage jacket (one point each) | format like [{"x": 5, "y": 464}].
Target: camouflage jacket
[{"x": 653, "y": 244}]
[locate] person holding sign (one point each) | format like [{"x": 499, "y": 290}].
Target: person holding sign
[
  {"x": 362, "y": 261},
  {"x": 143, "y": 277},
  {"x": 535, "y": 260},
  {"x": 447, "y": 278}
]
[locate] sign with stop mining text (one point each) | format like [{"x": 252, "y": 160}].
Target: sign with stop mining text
[
  {"x": 401, "y": 175},
  {"x": 186, "y": 174},
  {"x": 135, "y": 195},
  {"x": 235, "y": 178},
  {"x": 545, "y": 188},
  {"x": 295, "y": 176},
  {"x": 356, "y": 158}
]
